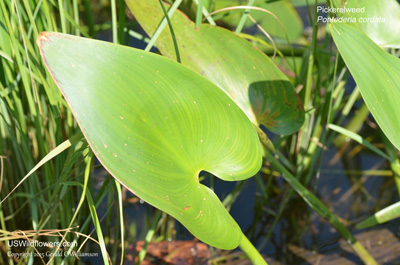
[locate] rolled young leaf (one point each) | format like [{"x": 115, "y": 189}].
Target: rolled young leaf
[{"x": 154, "y": 125}]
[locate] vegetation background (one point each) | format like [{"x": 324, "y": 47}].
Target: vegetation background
[{"x": 45, "y": 161}]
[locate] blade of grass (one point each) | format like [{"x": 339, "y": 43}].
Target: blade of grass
[
  {"x": 121, "y": 219},
  {"x": 178, "y": 57},
  {"x": 306, "y": 130},
  {"x": 121, "y": 21},
  {"x": 114, "y": 21},
  {"x": 163, "y": 23},
  {"x": 358, "y": 139},
  {"x": 99, "y": 198},
  {"x": 89, "y": 16},
  {"x": 206, "y": 14},
  {"x": 199, "y": 13},
  {"x": 244, "y": 17},
  {"x": 322, "y": 210},
  {"x": 81, "y": 200},
  {"x": 62, "y": 16},
  {"x": 137, "y": 35},
  {"x": 149, "y": 236},
  {"x": 96, "y": 223},
  {"x": 76, "y": 15},
  {"x": 56, "y": 151},
  {"x": 6, "y": 56}
]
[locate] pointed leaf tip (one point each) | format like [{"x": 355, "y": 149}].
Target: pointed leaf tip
[
  {"x": 42, "y": 37},
  {"x": 154, "y": 125}
]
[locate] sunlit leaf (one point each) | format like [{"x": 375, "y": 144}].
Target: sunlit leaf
[
  {"x": 155, "y": 125},
  {"x": 385, "y": 215},
  {"x": 247, "y": 75},
  {"x": 379, "y": 20},
  {"x": 283, "y": 10},
  {"x": 376, "y": 73}
]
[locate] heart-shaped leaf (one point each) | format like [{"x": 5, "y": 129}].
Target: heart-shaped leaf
[
  {"x": 376, "y": 73},
  {"x": 379, "y": 20},
  {"x": 247, "y": 75},
  {"x": 154, "y": 125}
]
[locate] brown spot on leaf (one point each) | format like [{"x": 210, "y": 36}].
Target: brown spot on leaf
[{"x": 42, "y": 37}]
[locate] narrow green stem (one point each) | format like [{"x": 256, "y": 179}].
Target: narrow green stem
[
  {"x": 264, "y": 139},
  {"x": 121, "y": 218},
  {"x": 149, "y": 236},
  {"x": 243, "y": 18},
  {"x": 62, "y": 16},
  {"x": 121, "y": 21},
  {"x": 114, "y": 21},
  {"x": 206, "y": 14},
  {"x": 76, "y": 15},
  {"x": 199, "y": 14},
  {"x": 251, "y": 252},
  {"x": 162, "y": 25},
  {"x": 306, "y": 129},
  {"x": 178, "y": 57}
]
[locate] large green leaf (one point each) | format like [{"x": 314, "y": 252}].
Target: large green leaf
[
  {"x": 377, "y": 74},
  {"x": 154, "y": 125},
  {"x": 247, "y": 75},
  {"x": 379, "y": 20}
]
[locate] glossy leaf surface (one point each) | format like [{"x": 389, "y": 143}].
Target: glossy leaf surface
[
  {"x": 154, "y": 125},
  {"x": 380, "y": 20},
  {"x": 377, "y": 74},
  {"x": 247, "y": 75}
]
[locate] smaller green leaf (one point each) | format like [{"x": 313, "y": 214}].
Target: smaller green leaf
[
  {"x": 385, "y": 215},
  {"x": 244, "y": 73},
  {"x": 379, "y": 20},
  {"x": 377, "y": 75},
  {"x": 287, "y": 15}
]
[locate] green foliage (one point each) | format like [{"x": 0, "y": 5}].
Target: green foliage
[
  {"x": 51, "y": 192},
  {"x": 248, "y": 76},
  {"x": 161, "y": 126},
  {"x": 35, "y": 127},
  {"x": 283, "y": 23},
  {"x": 376, "y": 73},
  {"x": 379, "y": 20}
]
